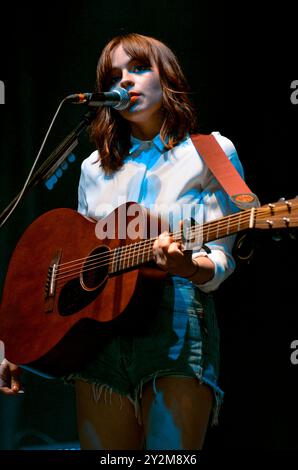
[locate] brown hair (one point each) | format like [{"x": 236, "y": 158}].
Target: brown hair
[{"x": 110, "y": 132}]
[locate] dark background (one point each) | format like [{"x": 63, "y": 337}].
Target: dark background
[{"x": 240, "y": 63}]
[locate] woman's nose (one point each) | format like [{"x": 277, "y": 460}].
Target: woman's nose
[{"x": 126, "y": 80}]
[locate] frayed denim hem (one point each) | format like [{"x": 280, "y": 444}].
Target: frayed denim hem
[{"x": 100, "y": 389}]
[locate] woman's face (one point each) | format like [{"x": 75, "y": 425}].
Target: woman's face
[{"x": 143, "y": 85}]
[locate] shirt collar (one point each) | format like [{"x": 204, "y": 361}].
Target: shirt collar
[{"x": 137, "y": 144}]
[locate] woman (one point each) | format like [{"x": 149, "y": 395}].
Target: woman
[{"x": 154, "y": 385}]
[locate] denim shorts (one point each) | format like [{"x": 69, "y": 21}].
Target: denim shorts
[{"x": 180, "y": 338}]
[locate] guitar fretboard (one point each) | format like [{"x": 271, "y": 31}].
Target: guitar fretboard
[{"x": 138, "y": 253}]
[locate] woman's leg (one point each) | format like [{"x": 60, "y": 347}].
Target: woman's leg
[
  {"x": 106, "y": 424},
  {"x": 176, "y": 414}
]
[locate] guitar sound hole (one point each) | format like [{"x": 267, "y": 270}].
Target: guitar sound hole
[{"x": 95, "y": 268}]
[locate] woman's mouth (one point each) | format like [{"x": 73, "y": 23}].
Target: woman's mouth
[{"x": 133, "y": 96}]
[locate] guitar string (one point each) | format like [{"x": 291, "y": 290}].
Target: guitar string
[
  {"x": 214, "y": 222},
  {"x": 130, "y": 258},
  {"x": 130, "y": 253},
  {"x": 133, "y": 250},
  {"x": 120, "y": 261},
  {"x": 174, "y": 234}
]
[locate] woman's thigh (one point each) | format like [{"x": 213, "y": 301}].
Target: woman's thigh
[
  {"x": 107, "y": 423},
  {"x": 175, "y": 413}
]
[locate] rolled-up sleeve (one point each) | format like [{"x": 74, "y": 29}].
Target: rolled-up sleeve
[{"x": 216, "y": 204}]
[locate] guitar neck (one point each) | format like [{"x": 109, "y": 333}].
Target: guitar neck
[{"x": 135, "y": 254}]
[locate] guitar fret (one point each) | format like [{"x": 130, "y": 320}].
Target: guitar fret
[
  {"x": 123, "y": 256},
  {"x": 137, "y": 253},
  {"x": 134, "y": 258},
  {"x": 228, "y": 226},
  {"x": 128, "y": 256},
  {"x": 139, "y": 258},
  {"x": 239, "y": 222},
  {"x": 134, "y": 254},
  {"x": 124, "y": 249},
  {"x": 119, "y": 258},
  {"x": 115, "y": 261},
  {"x": 149, "y": 252},
  {"x": 114, "y": 264},
  {"x": 217, "y": 230},
  {"x": 144, "y": 252},
  {"x": 140, "y": 252},
  {"x": 207, "y": 236}
]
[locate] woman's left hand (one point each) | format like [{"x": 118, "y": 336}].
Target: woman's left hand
[{"x": 170, "y": 256}]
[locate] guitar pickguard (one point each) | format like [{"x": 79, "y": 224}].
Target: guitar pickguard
[{"x": 73, "y": 298}]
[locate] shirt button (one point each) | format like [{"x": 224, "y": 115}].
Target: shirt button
[{"x": 147, "y": 145}]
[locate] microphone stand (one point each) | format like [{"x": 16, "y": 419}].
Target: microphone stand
[{"x": 54, "y": 160}]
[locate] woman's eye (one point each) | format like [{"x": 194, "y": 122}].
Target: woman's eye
[
  {"x": 141, "y": 68},
  {"x": 138, "y": 68}
]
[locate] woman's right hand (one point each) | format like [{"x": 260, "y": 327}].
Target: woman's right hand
[{"x": 9, "y": 378}]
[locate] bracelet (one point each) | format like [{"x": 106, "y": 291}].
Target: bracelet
[{"x": 197, "y": 267}]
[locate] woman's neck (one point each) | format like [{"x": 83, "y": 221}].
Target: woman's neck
[{"x": 146, "y": 130}]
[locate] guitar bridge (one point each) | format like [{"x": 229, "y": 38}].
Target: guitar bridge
[{"x": 50, "y": 287}]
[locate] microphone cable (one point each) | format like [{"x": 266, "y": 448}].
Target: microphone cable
[{"x": 33, "y": 166}]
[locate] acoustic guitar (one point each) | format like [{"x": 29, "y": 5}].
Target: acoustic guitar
[{"x": 63, "y": 281}]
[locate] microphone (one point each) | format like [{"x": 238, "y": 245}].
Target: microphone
[{"x": 118, "y": 98}]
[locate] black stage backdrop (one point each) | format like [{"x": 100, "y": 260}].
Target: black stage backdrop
[{"x": 240, "y": 63}]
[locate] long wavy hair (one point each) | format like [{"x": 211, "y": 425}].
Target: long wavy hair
[{"x": 110, "y": 131}]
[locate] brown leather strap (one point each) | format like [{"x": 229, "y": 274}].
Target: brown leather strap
[
  {"x": 223, "y": 170},
  {"x": 217, "y": 161}
]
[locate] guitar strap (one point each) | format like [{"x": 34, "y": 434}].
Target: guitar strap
[{"x": 224, "y": 171}]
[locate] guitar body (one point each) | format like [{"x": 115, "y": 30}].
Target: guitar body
[
  {"x": 53, "y": 326},
  {"x": 68, "y": 275}
]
